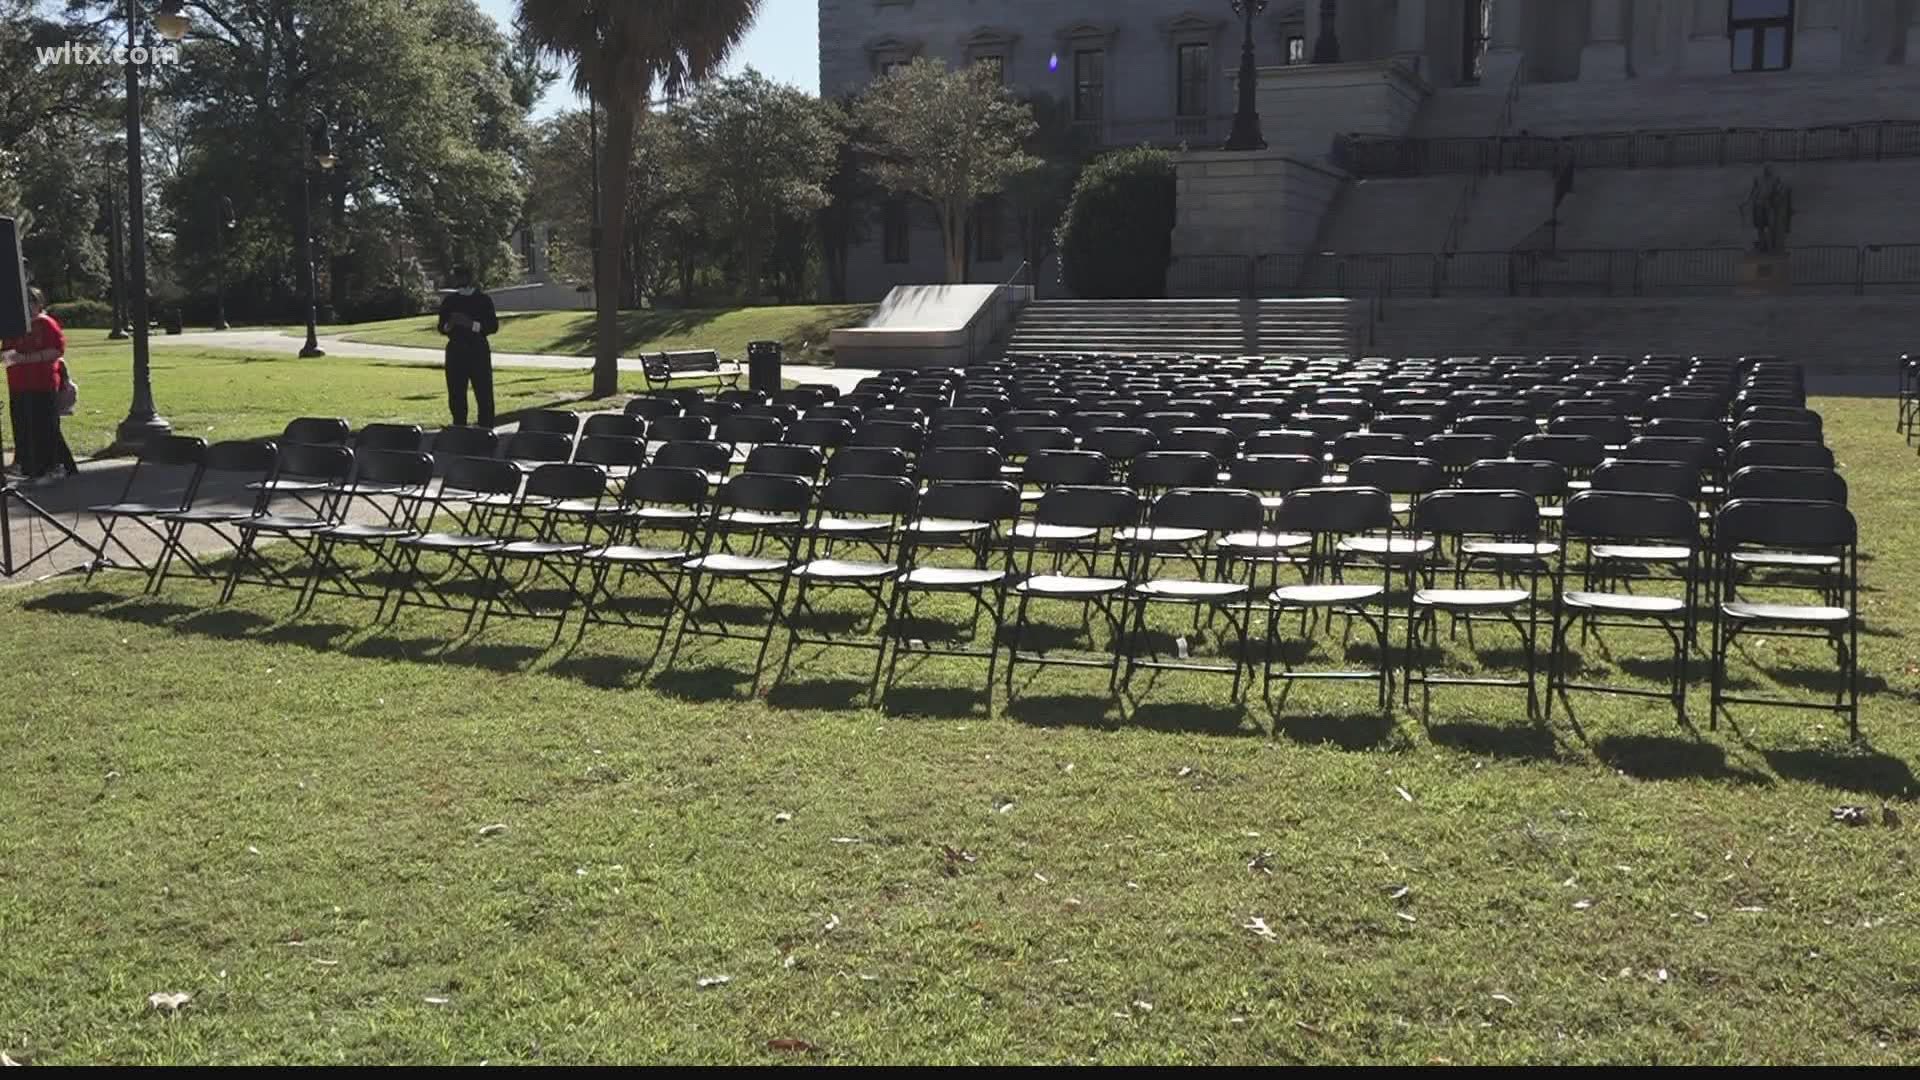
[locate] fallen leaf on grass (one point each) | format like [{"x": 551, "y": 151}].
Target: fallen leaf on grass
[
  {"x": 1041, "y": 878},
  {"x": 1582, "y": 905},
  {"x": 1750, "y": 909},
  {"x": 1260, "y": 927},
  {"x": 783, "y": 817},
  {"x": 1404, "y": 916},
  {"x": 1143, "y": 1006},
  {"x": 1850, "y": 815},
  {"x": 954, "y": 859},
  {"x": 168, "y": 1001},
  {"x": 1504, "y": 998},
  {"x": 792, "y": 1046},
  {"x": 1185, "y": 771},
  {"x": 843, "y": 840},
  {"x": 7, "y": 1061},
  {"x": 436, "y": 1000},
  {"x": 712, "y": 980},
  {"x": 1261, "y": 863},
  {"x": 1403, "y": 793},
  {"x": 833, "y": 923},
  {"x": 1399, "y": 892},
  {"x": 493, "y": 830}
]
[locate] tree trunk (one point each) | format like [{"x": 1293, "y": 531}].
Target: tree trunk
[
  {"x": 614, "y": 163},
  {"x": 750, "y": 268},
  {"x": 953, "y": 218}
]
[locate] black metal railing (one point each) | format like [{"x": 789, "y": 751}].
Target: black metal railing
[
  {"x": 1831, "y": 269},
  {"x": 1381, "y": 156}
]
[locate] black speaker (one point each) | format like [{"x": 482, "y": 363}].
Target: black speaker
[{"x": 13, "y": 282}]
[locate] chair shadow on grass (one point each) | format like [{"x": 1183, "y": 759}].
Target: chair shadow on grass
[
  {"x": 814, "y": 694},
  {"x": 1064, "y": 710},
  {"x": 1519, "y": 740},
  {"x": 1354, "y": 731},
  {"x": 703, "y": 683},
  {"x": 1665, "y": 757},
  {"x": 1859, "y": 769}
]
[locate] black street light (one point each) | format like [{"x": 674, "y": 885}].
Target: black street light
[
  {"x": 117, "y": 254},
  {"x": 321, "y": 145},
  {"x": 220, "y": 230},
  {"x": 143, "y": 421},
  {"x": 1326, "y": 47},
  {"x": 1246, "y": 120}
]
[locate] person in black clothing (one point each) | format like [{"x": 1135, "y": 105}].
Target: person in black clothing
[{"x": 466, "y": 320}]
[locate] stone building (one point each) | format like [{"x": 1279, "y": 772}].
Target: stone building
[{"x": 1163, "y": 72}]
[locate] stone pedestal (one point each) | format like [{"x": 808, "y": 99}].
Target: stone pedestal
[
  {"x": 1303, "y": 106},
  {"x": 1762, "y": 275},
  {"x": 1258, "y": 202}
]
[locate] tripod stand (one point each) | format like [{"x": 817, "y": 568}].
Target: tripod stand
[{"x": 12, "y": 498}]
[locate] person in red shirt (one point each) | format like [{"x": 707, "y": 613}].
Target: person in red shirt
[{"x": 36, "y": 366}]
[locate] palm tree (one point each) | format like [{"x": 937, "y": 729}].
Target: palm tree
[{"x": 622, "y": 51}]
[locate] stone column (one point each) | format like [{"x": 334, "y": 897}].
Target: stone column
[
  {"x": 1913, "y": 35},
  {"x": 1817, "y": 40},
  {"x": 1604, "y": 56},
  {"x": 1504, "y": 52},
  {"x": 1410, "y": 33},
  {"x": 1705, "y": 50}
]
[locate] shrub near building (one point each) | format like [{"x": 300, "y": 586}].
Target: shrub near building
[{"x": 1117, "y": 237}]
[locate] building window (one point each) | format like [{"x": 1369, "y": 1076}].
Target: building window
[
  {"x": 990, "y": 229},
  {"x": 894, "y": 230},
  {"x": 1296, "y": 49},
  {"x": 1762, "y": 34},
  {"x": 1089, "y": 86},
  {"x": 1195, "y": 63}
]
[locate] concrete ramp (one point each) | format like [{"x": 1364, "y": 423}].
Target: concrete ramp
[{"x": 930, "y": 326}]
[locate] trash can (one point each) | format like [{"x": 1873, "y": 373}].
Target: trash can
[{"x": 763, "y": 366}]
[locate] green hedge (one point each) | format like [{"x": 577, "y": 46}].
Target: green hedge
[
  {"x": 1116, "y": 239},
  {"x": 83, "y": 314}
]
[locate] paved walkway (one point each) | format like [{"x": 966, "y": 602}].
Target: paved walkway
[{"x": 269, "y": 341}]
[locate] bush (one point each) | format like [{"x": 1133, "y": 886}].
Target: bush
[
  {"x": 1116, "y": 239},
  {"x": 83, "y": 314}
]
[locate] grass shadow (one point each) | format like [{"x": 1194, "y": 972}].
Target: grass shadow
[
  {"x": 944, "y": 702},
  {"x": 819, "y": 694},
  {"x": 1064, "y": 710},
  {"x": 1193, "y": 718},
  {"x": 1663, "y": 757},
  {"x": 1343, "y": 731},
  {"x": 1517, "y": 741},
  {"x": 1860, "y": 769},
  {"x": 710, "y": 682}
]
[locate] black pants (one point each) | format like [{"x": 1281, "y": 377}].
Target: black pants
[
  {"x": 37, "y": 442},
  {"x": 464, "y": 367}
]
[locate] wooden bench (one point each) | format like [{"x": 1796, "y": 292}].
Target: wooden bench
[{"x": 664, "y": 367}]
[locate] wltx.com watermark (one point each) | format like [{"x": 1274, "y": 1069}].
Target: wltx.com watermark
[{"x": 71, "y": 53}]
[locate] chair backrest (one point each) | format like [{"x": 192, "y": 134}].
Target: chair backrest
[
  {"x": 1453, "y": 450},
  {"x": 403, "y": 437},
  {"x": 1217, "y": 510},
  {"x": 964, "y": 435},
  {"x": 538, "y": 446},
  {"x": 821, "y": 431},
  {"x": 1347, "y": 509},
  {"x": 1221, "y": 442},
  {"x": 868, "y": 495},
  {"x": 328, "y": 463},
  {"x": 1476, "y": 512},
  {"x": 243, "y": 456},
  {"x": 1695, "y": 453},
  {"x": 1353, "y": 446},
  {"x": 174, "y": 451},
  {"x": 752, "y": 430},
  {"x": 1786, "y": 523},
  {"x": 1400, "y": 475},
  {"x": 484, "y": 476},
  {"x": 868, "y": 461},
  {"x": 1575, "y": 453},
  {"x": 1506, "y": 429},
  {"x": 1288, "y": 441},
  {"x": 1120, "y": 444},
  {"x": 703, "y": 454},
  {"x": 681, "y": 429},
  {"x": 894, "y": 433},
  {"x": 786, "y": 459},
  {"x": 319, "y": 430},
  {"x": 1276, "y": 474},
  {"x": 1088, "y": 507},
  {"x": 1805, "y": 455},
  {"x": 1776, "y": 430},
  {"x": 618, "y": 424},
  {"x": 409, "y": 471},
  {"x": 1632, "y": 516},
  {"x": 611, "y": 451},
  {"x": 991, "y": 501},
  {"x": 453, "y": 442},
  {"x": 567, "y": 481},
  {"x": 1414, "y": 426},
  {"x": 1787, "y": 482},
  {"x": 1160, "y": 470},
  {"x": 652, "y": 408},
  {"x": 1053, "y": 468},
  {"x": 558, "y": 421},
  {"x": 665, "y": 485},
  {"x": 1648, "y": 477},
  {"x": 766, "y": 492},
  {"x": 1537, "y": 479},
  {"x": 961, "y": 463}
]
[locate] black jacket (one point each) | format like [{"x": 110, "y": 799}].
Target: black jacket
[{"x": 478, "y": 307}]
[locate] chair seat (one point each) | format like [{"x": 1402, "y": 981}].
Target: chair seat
[
  {"x": 1806, "y": 560},
  {"x": 727, "y": 563},
  {"x": 1158, "y": 534},
  {"x": 1510, "y": 549},
  {"x": 203, "y": 517},
  {"x": 846, "y": 526},
  {"x": 1034, "y": 530},
  {"x": 1068, "y": 585},
  {"x": 1264, "y": 541},
  {"x": 372, "y": 489},
  {"x": 664, "y": 513},
  {"x": 1470, "y": 598},
  {"x": 1802, "y": 614},
  {"x": 631, "y": 554},
  {"x": 944, "y": 577},
  {"x": 1324, "y": 595},
  {"x": 1625, "y": 603},
  {"x": 757, "y": 519},
  {"x": 281, "y": 523},
  {"x": 133, "y": 509},
  {"x": 440, "y": 541},
  {"x": 364, "y": 531},
  {"x": 1642, "y": 552},
  {"x": 1553, "y": 513},
  {"x": 491, "y": 502},
  {"x": 582, "y": 508},
  {"x": 844, "y": 570},
  {"x": 1181, "y": 589},
  {"x": 289, "y": 487},
  {"x": 944, "y": 527},
  {"x": 1400, "y": 547},
  {"x": 539, "y": 549}
]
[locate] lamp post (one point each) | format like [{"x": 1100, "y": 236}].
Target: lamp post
[
  {"x": 322, "y": 148},
  {"x": 1326, "y": 47},
  {"x": 220, "y": 230},
  {"x": 1246, "y": 119},
  {"x": 143, "y": 421},
  {"x": 116, "y": 253}
]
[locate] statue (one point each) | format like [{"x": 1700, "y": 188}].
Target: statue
[{"x": 1769, "y": 209}]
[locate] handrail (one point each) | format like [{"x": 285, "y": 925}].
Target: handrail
[
  {"x": 1461, "y": 209},
  {"x": 996, "y": 312}
]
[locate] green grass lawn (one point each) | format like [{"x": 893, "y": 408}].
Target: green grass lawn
[
  {"x": 294, "y": 821},
  {"x": 802, "y": 329},
  {"x": 223, "y": 393}
]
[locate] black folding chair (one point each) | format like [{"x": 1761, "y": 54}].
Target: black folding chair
[
  {"x": 252, "y": 464},
  {"x": 402, "y": 438},
  {"x": 490, "y": 491},
  {"x": 1461, "y": 516},
  {"x": 663, "y": 509},
  {"x": 650, "y": 409},
  {"x": 1189, "y": 523},
  {"x": 555, "y": 421},
  {"x": 164, "y": 479},
  {"x": 390, "y": 489},
  {"x": 766, "y": 512},
  {"x": 973, "y": 517},
  {"x": 1328, "y": 517},
  {"x": 1595, "y": 521},
  {"x": 618, "y": 425},
  {"x": 868, "y": 509},
  {"x": 321, "y": 473},
  {"x": 1078, "y": 523},
  {"x": 545, "y": 542},
  {"x": 868, "y": 461},
  {"x": 1775, "y": 525}
]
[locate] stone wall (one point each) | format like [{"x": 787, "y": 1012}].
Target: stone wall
[{"x": 1251, "y": 203}]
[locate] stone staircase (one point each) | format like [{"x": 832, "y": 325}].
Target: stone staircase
[{"x": 1329, "y": 327}]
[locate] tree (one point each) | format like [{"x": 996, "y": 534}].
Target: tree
[
  {"x": 851, "y": 195},
  {"x": 948, "y": 137},
  {"x": 1039, "y": 196},
  {"x": 1117, "y": 237},
  {"x": 621, "y": 53},
  {"x": 767, "y": 152}
]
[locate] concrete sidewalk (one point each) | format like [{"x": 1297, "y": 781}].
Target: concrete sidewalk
[{"x": 269, "y": 341}]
